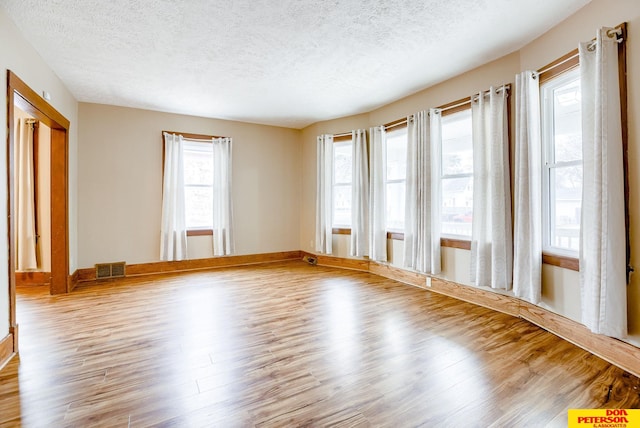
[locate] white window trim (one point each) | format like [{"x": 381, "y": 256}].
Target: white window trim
[
  {"x": 335, "y": 185},
  {"x": 390, "y": 134},
  {"x": 203, "y": 147},
  {"x": 443, "y": 177},
  {"x": 548, "y": 165}
]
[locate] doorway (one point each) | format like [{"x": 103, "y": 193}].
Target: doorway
[{"x": 27, "y": 100}]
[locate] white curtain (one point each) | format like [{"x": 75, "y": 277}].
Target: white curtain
[
  {"x": 377, "y": 199},
  {"x": 360, "y": 194},
  {"x": 603, "y": 235},
  {"x": 324, "y": 189},
  {"x": 527, "y": 245},
  {"x": 421, "y": 244},
  {"x": 491, "y": 239},
  {"x": 223, "y": 243},
  {"x": 25, "y": 224},
  {"x": 173, "y": 231},
  {"x": 436, "y": 190}
]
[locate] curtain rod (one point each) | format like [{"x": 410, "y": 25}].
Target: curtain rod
[
  {"x": 461, "y": 103},
  {"x": 399, "y": 122},
  {"x": 194, "y": 137},
  {"x": 614, "y": 32},
  {"x": 396, "y": 123},
  {"x": 505, "y": 87},
  {"x": 203, "y": 140},
  {"x": 344, "y": 134},
  {"x": 551, "y": 67}
]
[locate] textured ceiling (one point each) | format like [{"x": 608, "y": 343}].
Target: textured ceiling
[{"x": 286, "y": 62}]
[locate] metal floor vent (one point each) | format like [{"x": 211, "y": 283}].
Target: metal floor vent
[{"x": 110, "y": 270}]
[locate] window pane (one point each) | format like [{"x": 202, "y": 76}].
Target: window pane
[
  {"x": 395, "y": 206},
  {"x": 562, "y": 140},
  {"x": 342, "y": 162},
  {"x": 567, "y": 124},
  {"x": 199, "y": 207},
  {"x": 342, "y": 205},
  {"x": 566, "y": 185},
  {"x": 457, "y": 144},
  {"x": 198, "y": 179},
  {"x": 198, "y": 163},
  {"x": 457, "y": 206},
  {"x": 397, "y": 154}
]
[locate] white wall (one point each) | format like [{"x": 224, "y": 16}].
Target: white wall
[
  {"x": 120, "y": 184},
  {"x": 18, "y": 56}
]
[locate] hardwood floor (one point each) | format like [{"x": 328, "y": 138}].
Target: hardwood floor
[{"x": 288, "y": 344}]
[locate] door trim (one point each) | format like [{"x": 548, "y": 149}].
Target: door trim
[{"x": 19, "y": 93}]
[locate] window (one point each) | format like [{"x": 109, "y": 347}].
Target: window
[
  {"x": 198, "y": 185},
  {"x": 396, "y": 178},
  {"x": 562, "y": 163},
  {"x": 342, "y": 176},
  {"x": 457, "y": 174}
]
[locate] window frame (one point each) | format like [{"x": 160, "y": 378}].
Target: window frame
[
  {"x": 190, "y": 136},
  {"x": 550, "y": 71},
  {"x": 191, "y": 145},
  {"x": 446, "y": 109},
  {"x": 549, "y": 164},
  {"x": 340, "y": 229},
  {"x": 454, "y": 240},
  {"x": 395, "y": 233}
]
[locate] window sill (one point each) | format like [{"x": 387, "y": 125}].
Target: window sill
[
  {"x": 566, "y": 262},
  {"x": 341, "y": 231},
  {"x": 461, "y": 244},
  {"x": 200, "y": 232}
]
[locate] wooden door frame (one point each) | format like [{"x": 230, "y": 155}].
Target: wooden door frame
[{"x": 19, "y": 93}]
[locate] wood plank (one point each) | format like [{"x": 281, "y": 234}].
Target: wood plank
[
  {"x": 344, "y": 263},
  {"x": 290, "y": 344},
  {"x": 488, "y": 299},
  {"x": 398, "y": 274}
]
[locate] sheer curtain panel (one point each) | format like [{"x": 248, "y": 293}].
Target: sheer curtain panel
[
  {"x": 223, "y": 243},
  {"x": 360, "y": 194},
  {"x": 377, "y": 200},
  {"x": 603, "y": 234},
  {"x": 324, "y": 200},
  {"x": 25, "y": 223},
  {"x": 421, "y": 252},
  {"x": 491, "y": 242},
  {"x": 173, "y": 231},
  {"x": 527, "y": 265}
]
